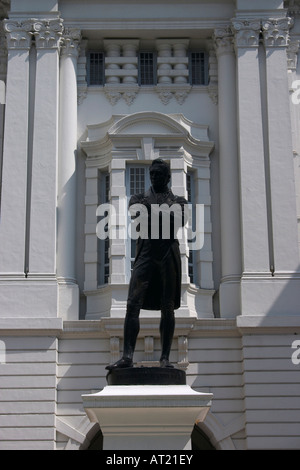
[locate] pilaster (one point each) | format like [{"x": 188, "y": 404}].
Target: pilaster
[
  {"x": 269, "y": 284},
  {"x": 28, "y": 219},
  {"x": 281, "y": 170},
  {"x": 255, "y": 240},
  {"x": 42, "y": 239},
  {"x": 66, "y": 229},
  {"x": 229, "y": 177},
  {"x": 14, "y": 171}
]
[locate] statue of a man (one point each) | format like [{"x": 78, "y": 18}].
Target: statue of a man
[{"x": 156, "y": 277}]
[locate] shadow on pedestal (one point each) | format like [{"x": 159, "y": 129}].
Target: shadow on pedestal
[{"x": 146, "y": 376}]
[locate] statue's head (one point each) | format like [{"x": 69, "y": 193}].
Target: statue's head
[{"x": 160, "y": 174}]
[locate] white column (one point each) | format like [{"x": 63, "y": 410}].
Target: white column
[
  {"x": 178, "y": 170},
  {"x": 43, "y": 150},
  {"x": 267, "y": 185},
  {"x": 229, "y": 177},
  {"x": 91, "y": 245},
  {"x": 14, "y": 172},
  {"x": 256, "y": 240},
  {"x": 281, "y": 165},
  {"x": 118, "y": 242},
  {"x": 66, "y": 230},
  {"x": 204, "y": 255},
  {"x": 14, "y": 195},
  {"x": 42, "y": 239},
  {"x": 292, "y": 51},
  {"x": 251, "y": 149}
]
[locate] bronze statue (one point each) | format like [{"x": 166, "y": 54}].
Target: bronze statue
[{"x": 156, "y": 277}]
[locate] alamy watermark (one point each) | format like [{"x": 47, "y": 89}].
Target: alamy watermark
[
  {"x": 296, "y": 353},
  {"x": 186, "y": 223}
]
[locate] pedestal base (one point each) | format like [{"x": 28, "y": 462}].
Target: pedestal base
[
  {"x": 146, "y": 376},
  {"x": 145, "y": 417}
]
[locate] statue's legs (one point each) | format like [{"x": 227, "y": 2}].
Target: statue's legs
[
  {"x": 131, "y": 330},
  {"x": 167, "y": 327},
  {"x": 139, "y": 283},
  {"x": 167, "y": 323}
]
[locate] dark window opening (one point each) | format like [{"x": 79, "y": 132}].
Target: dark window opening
[
  {"x": 147, "y": 68},
  {"x": 198, "y": 68},
  {"x": 96, "y": 68}
]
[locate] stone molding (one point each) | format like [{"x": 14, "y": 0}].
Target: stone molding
[
  {"x": 71, "y": 42},
  {"x": 129, "y": 93},
  {"x": 273, "y": 31},
  {"x": 47, "y": 33},
  {"x": 276, "y": 32},
  {"x": 247, "y": 32},
  {"x": 167, "y": 92},
  {"x": 115, "y": 92},
  {"x": 223, "y": 41},
  {"x": 18, "y": 34}
]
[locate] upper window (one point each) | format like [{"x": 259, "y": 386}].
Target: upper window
[
  {"x": 95, "y": 71},
  {"x": 198, "y": 66},
  {"x": 147, "y": 68},
  {"x": 138, "y": 181}
]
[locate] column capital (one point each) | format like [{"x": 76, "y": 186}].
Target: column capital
[
  {"x": 292, "y": 53},
  {"x": 47, "y": 33},
  {"x": 71, "y": 42},
  {"x": 276, "y": 31},
  {"x": 223, "y": 41},
  {"x": 247, "y": 32},
  {"x": 18, "y": 34}
]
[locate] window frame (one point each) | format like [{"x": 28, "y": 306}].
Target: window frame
[
  {"x": 205, "y": 74},
  {"x": 130, "y": 245},
  {"x": 154, "y": 68},
  {"x": 102, "y": 81}
]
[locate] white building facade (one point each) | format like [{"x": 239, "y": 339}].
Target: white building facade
[{"x": 91, "y": 93}]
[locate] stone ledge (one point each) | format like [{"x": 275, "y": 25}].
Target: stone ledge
[{"x": 31, "y": 326}]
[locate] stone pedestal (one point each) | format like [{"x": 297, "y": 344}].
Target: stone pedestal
[{"x": 143, "y": 417}]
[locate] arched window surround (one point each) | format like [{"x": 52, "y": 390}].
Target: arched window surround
[{"x": 111, "y": 147}]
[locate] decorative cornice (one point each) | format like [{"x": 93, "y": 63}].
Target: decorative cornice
[
  {"x": 18, "y": 34},
  {"x": 129, "y": 92},
  {"x": 47, "y": 33},
  {"x": 247, "y": 32},
  {"x": 223, "y": 41},
  {"x": 276, "y": 32},
  {"x": 70, "y": 42},
  {"x": 115, "y": 92},
  {"x": 167, "y": 92}
]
